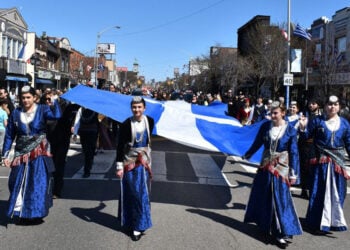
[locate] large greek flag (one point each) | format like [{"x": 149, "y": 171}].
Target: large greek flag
[{"x": 203, "y": 127}]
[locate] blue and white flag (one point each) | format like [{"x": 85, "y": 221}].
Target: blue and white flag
[
  {"x": 338, "y": 56},
  {"x": 301, "y": 32},
  {"x": 203, "y": 127},
  {"x": 100, "y": 67},
  {"x": 21, "y": 52}
]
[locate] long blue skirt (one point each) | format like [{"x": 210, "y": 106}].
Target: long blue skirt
[
  {"x": 33, "y": 182},
  {"x": 325, "y": 211},
  {"x": 134, "y": 203},
  {"x": 271, "y": 207}
]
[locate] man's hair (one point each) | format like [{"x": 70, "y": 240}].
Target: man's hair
[
  {"x": 28, "y": 89},
  {"x": 138, "y": 99},
  {"x": 3, "y": 101}
]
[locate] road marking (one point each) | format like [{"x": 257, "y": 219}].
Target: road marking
[
  {"x": 159, "y": 172},
  {"x": 103, "y": 162},
  {"x": 206, "y": 169}
]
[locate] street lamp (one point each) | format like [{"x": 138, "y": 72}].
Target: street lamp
[
  {"x": 135, "y": 69},
  {"x": 96, "y": 54},
  {"x": 35, "y": 61}
]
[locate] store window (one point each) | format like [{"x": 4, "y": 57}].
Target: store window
[{"x": 341, "y": 44}]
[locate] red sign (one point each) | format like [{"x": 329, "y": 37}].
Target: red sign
[{"x": 122, "y": 69}]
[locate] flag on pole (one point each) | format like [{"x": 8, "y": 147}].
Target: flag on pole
[
  {"x": 21, "y": 53},
  {"x": 338, "y": 56},
  {"x": 301, "y": 32},
  {"x": 100, "y": 67},
  {"x": 8, "y": 51}
]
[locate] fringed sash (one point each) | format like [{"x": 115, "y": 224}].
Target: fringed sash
[
  {"x": 336, "y": 156},
  {"x": 138, "y": 157},
  {"x": 277, "y": 164},
  {"x": 30, "y": 147}
]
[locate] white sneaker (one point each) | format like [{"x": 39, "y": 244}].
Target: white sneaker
[{"x": 281, "y": 240}]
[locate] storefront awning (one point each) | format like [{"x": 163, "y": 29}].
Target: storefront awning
[
  {"x": 43, "y": 81},
  {"x": 16, "y": 78}
]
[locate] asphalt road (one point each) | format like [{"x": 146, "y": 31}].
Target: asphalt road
[{"x": 198, "y": 202}]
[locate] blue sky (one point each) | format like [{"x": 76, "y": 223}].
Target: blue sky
[{"x": 160, "y": 34}]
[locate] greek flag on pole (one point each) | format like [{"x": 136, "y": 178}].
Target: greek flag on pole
[
  {"x": 301, "y": 32},
  {"x": 338, "y": 56},
  {"x": 203, "y": 127},
  {"x": 21, "y": 52}
]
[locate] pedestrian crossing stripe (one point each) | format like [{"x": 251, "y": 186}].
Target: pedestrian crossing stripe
[{"x": 205, "y": 168}]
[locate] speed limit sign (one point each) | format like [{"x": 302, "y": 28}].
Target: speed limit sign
[{"x": 288, "y": 79}]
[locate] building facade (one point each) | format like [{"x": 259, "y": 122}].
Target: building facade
[{"x": 13, "y": 39}]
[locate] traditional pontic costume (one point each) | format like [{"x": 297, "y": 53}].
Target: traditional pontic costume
[
  {"x": 32, "y": 166},
  {"x": 270, "y": 204},
  {"x": 134, "y": 156},
  {"x": 328, "y": 173}
]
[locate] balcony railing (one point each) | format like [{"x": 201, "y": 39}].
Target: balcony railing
[{"x": 13, "y": 66}]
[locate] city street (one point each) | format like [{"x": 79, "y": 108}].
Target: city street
[{"x": 198, "y": 202}]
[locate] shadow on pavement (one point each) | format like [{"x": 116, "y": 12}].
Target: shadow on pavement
[
  {"x": 196, "y": 195},
  {"x": 95, "y": 215},
  {"x": 248, "y": 229}
]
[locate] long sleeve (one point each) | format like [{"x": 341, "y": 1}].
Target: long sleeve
[
  {"x": 346, "y": 136},
  {"x": 124, "y": 139},
  {"x": 54, "y": 113},
  {"x": 10, "y": 135},
  {"x": 258, "y": 141},
  {"x": 294, "y": 162},
  {"x": 76, "y": 123}
]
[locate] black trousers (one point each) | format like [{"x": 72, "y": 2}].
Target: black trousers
[
  {"x": 88, "y": 140},
  {"x": 60, "y": 150}
]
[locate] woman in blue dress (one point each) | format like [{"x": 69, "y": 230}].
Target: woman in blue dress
[
  {"x": 134, "y": 168},
  {"x": 270, "y": 204},
  {"x": 293, "y": 117},
  {"x": 31, "y": 165},
  {"x": 331, "y": 137}
]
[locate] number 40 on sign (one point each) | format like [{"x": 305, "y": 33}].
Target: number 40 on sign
[{"x": 288, "y": 79}]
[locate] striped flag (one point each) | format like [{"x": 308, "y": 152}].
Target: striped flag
[
  {"x": 338, "y": 56},
  {"x": 21, "y": 53},
  {"x": 301, "y": 32}
]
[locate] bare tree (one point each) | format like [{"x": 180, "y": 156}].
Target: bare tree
[
  {"x": 328, "y": 65},
  {"x": 264, "y": 60},
  {"x": 223, "y": 68},
  {"x": 199, "y": 74}
]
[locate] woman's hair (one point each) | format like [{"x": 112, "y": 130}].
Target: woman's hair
[
  {"x": 28, "y": 89},
  {"x": 44, "y": 97},
  {"x": 138, "y": 99}
]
